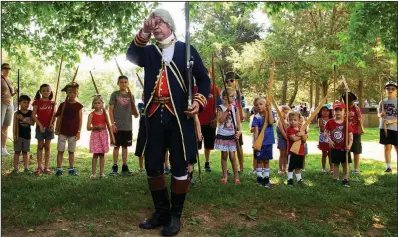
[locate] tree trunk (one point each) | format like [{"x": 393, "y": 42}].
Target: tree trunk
[
  {"x": 360, "y": 94},
  {"x": 294, "y": 92},
  {"x": 324, "y": 88},
  {"x": 284, "y": 91},
  {"x": 311, "y": 91},
  {"x": 317, "y": 91}
]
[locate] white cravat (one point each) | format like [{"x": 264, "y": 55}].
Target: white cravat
[{"x": 168, "y": 51}]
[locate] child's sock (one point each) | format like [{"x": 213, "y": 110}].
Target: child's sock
[
  {"x": 259, "y": 172},
  {"x": 59, "y": 168},
  {"x": 289, "y": 175},
  {"x": 266, "y": 172},
  {"x": 388, "y": 165},
  {"x": 298, "y": 177}
]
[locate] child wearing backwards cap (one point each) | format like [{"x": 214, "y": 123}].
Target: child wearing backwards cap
[
  {"x": 70, "y": 125},
  {"x": 335, "y": 132},
  {"x": 388, "y": 119}
]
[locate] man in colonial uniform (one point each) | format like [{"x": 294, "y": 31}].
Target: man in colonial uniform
[{"x": 168, "y": 120}]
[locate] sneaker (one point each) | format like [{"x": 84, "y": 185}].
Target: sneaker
[
  {"x": 260, "y": 180},
  {"x": 388, "y": 170},
  {"x": 191, "y": 180},
  {"x": 27, "y": 172},
  {"x": 290, "y": 182},
  {"x": 59, "y": 172},
  {"x": 38, "y": 172},
  {"x": 102, "y": 176},
  {"x": 14, "y": 172},
  {"x": 300, "y": 182},
  {"x": 72, "y": 171},
  {"x": 355, "y": 171},
  {"x": 323, "y": 171},
  {"x": 125, "y": 170},
  {"x": 166, "y": 170},
  {"x": 266, "y": 182},
  {"x": 281, "y": 172},
  {"x": 114, "y": 170},
  {"x": 331, "y": 171},
  {"x": 207, "y": 167},
  {"x": 345, "y": 183},
  {"x": 93, "y": 176},
  {"x": 4, "y": 152},
  {"x": 47, "y": 171}
]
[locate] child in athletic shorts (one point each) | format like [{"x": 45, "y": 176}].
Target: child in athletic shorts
[
  {"x": 70, "y": 125},
  {"x": 22, "y": 119},
  {"x": 265, "y": 154},
  {"x": 335, "y": 133},
  {"x": 295, "y": 161},
  {"x": 388, "y": 122},
  {"x": 120, "y": 113}
]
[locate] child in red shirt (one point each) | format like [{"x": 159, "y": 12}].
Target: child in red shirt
[
  {"x": 43, "y": 109},
  {"x": 99, "y": 144},
  {"x": 335, "y": 130},
  {"x": 295, "y": 161}
]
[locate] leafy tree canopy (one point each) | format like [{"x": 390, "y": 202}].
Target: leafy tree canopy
[{"x": 52, "y": 29}]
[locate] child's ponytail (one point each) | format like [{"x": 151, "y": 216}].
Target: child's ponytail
[{"x": 37, "y": 96}]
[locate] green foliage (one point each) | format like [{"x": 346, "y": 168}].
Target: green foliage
[{"x": 52, "y": 29}]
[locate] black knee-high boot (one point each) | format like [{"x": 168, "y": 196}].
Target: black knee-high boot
[
  {"x": 179, "y": 189},
  {"x": 160, "y": 198}
]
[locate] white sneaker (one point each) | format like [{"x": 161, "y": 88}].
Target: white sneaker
[{"x": 4, "y": 152}]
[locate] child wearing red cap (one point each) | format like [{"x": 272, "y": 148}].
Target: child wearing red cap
[{"x": 335, "y": 130}]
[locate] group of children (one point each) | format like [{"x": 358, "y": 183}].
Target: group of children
[
  {"x": 67, "y": 123},
  {"x": 333, "y": 140}
]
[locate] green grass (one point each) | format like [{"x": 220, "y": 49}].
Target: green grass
[
  {"x": 371, "y": 134},
  {"x": 78, "y": 206}
]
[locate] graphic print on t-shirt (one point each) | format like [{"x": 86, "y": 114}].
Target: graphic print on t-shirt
[
  {"x": 228, "y": 123},
  {"x": 390, "y": 110},
  {"x": 338, "y": 134},
  {"x": 124, "y": 102}
]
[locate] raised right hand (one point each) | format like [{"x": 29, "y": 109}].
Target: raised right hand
[{"x": 149, "y": 24}]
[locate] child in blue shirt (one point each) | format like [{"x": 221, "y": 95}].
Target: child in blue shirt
[{"x": 265, "y": 154}]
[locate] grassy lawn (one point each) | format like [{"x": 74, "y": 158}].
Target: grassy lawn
[
  {"x": 371, "y": 134},
  {"x": 78, "y": 206}
]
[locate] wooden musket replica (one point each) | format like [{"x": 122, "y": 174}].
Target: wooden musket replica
[{"x": 56, "y": 92}]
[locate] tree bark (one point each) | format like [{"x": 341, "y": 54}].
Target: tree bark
[
  {"x": 311, "y": 91},
  {"x": 325, "y": 86},
  {"x": 317, "y": 91},
  {"x": 294, "y": 92},
  {"x": 360, "y": 94},
  {"x": 284, "y": 90}
]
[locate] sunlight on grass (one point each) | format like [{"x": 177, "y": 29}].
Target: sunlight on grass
[{"x": 370, "y": 180}]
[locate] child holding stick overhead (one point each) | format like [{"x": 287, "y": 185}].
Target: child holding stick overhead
[
  {"x": 335, "y": 130},
  {"x": 70, "y": 125},
  {"x": 265, "y": 117},
  {"x": 22, "y": 119},
  {"x": 43, "y": 109},
  {"x": 282, "y": 139},
  {"x": 388, "y": 122},
  {"x": 295, "y": 161},
  {"x": 227, "y": 137},
  {"x": 99, "y": 144},
  {"x": 323, "y": 116}
]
